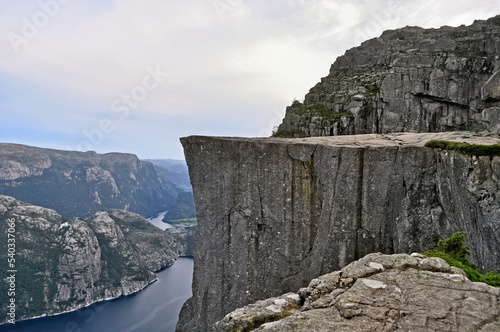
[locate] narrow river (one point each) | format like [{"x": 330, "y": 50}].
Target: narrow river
[{"x": 157, "y": 221}]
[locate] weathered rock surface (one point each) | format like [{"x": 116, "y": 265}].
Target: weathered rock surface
[
  {"x": 378, "y": 293},
  {"x": 185, "y": 237},
  {"x": 65, "y": 265},
  {"x": 78, "y": 184},
  {"x": 275, "y": 213},
  {"x": 407, "y": 80}
]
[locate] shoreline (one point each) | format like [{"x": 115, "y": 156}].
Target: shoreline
[{"x": 102, "y": 301}]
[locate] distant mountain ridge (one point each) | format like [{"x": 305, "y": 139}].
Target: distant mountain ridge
[
  {"x": 173, "y": 170},
  {"x": 182, "y": 209},
  {"x": 78, "y": 184}
]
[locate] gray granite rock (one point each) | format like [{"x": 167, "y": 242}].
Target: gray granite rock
[
  {"x": 275, "y": 213},
  {"x": 491, "y": 119},
  {"x": 63, "y": 265},
  {"x": 185, "y": 238},
  {"x": 410, "y": 79},
  {"x": 378, "y": 293}
]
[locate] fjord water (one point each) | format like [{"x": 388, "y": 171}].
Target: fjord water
[
  {"x": 157, "y": 221},
  {"x": 156, "y": 308}
]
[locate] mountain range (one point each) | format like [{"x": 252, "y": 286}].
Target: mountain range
[{"x": 78, "y": 184}]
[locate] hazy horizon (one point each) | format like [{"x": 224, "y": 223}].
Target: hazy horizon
[{"x": 128, "y": 76}]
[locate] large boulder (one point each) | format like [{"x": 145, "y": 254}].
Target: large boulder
[{"x": 378, "y": 293}]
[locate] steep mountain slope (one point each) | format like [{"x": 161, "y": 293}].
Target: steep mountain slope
[
  {"x": 410, "y": 79},
  {"x": 65, "y": 265},
  {"x": 183, "y": 208},
  {"x": 77, "y": 184}
]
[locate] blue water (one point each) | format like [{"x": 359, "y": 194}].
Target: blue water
[{"x": 156, "y": 308}]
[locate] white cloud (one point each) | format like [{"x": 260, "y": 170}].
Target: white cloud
[{"x": 238, "y": 63}]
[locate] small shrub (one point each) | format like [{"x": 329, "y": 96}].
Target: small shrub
[
  {"x": 372, "y": 89},
  {"x": 454, "y": 246},
  {"x": 491, "y": 278},
  {"x": 286, "y": 134},
  {"x": 454, "y": 252},
  {"x": 470, "y": 272}
]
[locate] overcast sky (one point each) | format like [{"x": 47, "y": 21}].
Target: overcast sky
[{"x": 134, "y": 76}]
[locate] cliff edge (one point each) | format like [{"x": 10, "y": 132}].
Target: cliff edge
[
  {"x": 274, "y": 213},
  {"x": 347, "y": 174}
]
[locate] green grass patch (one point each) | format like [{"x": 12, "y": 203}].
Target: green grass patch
[
  {"x": 454, "y": 253},
  {"x": 326, "y": 113},
  {"x": 286, "y": 134},
  {"x": 372, "y": 89},
  {"x": 466, "y": 148},
  {"x": 184, "y": 222},
  {"x": 319, "y": 109},
  {"x": 296, "y": 104}
]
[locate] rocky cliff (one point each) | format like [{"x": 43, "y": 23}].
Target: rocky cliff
[
  {"x": 378, "y": 293},
  {"x": 185, "y": 237},
  {"x": 410, "y": 79},
  {"x": 64, "y": 265},
  {"x": 275, "y": 213},
  {"x": 78, "y": 184}
]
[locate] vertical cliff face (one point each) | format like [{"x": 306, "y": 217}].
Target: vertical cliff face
[
  {"x": 276, "y": 213},
  {"x": 410, "y": 79}
]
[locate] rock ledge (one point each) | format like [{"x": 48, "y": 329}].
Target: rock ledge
[{"x": 378, "y": 293}]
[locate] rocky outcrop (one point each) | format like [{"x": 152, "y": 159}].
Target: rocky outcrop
[
  {"x": 78, "y": 184},
  {"x": 407, "y": 80},
  {"x": 378, "y": 293},
  {"x": 275, "y": 213},
  {"x": 185, "y": 237},
  {"x": 64, "y": 265}
]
